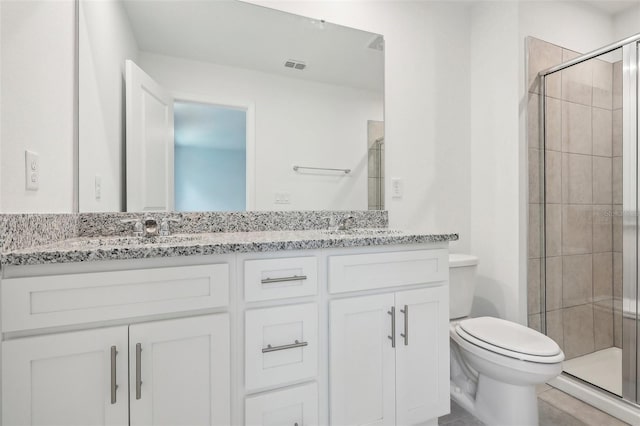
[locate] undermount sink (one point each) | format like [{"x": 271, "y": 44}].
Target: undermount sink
[
  {"x": 363, "y": 231},
  {"x": 131, "y": 241}
]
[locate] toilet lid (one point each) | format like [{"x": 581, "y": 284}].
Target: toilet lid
[{"x": 510, "y": 336}]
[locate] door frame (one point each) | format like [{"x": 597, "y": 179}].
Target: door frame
[{"x": 250, "y": 108}]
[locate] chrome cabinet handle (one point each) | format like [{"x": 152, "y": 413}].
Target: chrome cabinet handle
[
  {"x": 138, "y": 371},
  {"x": 392, "y": 312},
  {"x": 114, "y": 385},
  {"x": 297, "y": 344},
  {"x": 405, "y": 311},
  {"x": 283, "y": 279}
]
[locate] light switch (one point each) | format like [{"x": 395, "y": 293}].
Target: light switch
[
  {"x": 98, "y": 186},
  {"x": 32, "y": 170},
  {"x": 396, "y": 188}
]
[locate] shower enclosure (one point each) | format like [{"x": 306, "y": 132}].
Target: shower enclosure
[{"x": 584, "y": 202}]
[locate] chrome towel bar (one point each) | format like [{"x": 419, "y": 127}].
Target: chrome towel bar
[{"x": 345, "y": 171}]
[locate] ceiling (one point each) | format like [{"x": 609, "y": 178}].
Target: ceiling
[
  {"x": 244, "y": 35},
  {"x": 612, "y": 7}
]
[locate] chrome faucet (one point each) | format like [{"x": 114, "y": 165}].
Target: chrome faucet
[
  {"x": 138, "y": 228},
  {"x": 164, "y": 226},
  {"x": 151, "y": 228}
]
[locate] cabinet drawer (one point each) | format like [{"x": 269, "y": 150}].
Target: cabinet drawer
[
  {"x": 293, "y": 406},
  {"x": 281, "y": 345},
  {"x": 56, "y": 300},
  {"x": 266, "y": 279},
  {"x": 392, "y": 269}
]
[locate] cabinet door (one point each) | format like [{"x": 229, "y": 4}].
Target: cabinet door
[
  {"x": 179, "y": 371},
  {"x": 66, "y": 379},
  {"x": 422, "y": 357},
  {"x": 362, "y": 360}
]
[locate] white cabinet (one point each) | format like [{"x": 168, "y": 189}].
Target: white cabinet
[
  {"x": 66, "y": 379},
  {"x": 389, "y": 358},
  {"x": 179, "y": 371},
  {"x": 181, "y": 367}
]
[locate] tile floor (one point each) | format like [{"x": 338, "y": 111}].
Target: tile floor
[{"x": 555, "y": 408}]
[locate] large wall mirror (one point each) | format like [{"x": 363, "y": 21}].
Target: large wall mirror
[{"x": 224, "y": 105}]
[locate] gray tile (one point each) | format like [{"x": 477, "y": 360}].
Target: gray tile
[
  {"x": 535, "y": 185},
  {"x": 602, "y": 180},
  {"x": 577, "y": 280},
  {"x": 543, "y": 55},
  {"x": 535, "y": 230},
  {"x": 617, "y": 85},
  {"x": 577, "y": 179},
  {"x": 553, "y": 124},
  {"x": 553, "y": 177},
  {"x": 602, "y": 228},
  {"x": 602, "y": 84},
  {"x": 577, "y": 229},
  {"x": 533, "y": 286},
  {"x": 576, "y": 128},
  {"x": 548, "y": 415},
  {"x": 577, "y": 81},
  {"x": 616, "y": 132},
  {"x": 602, "y": 131},
  {"x": 555, "y": 326},
  {"x": 534, "y": 322},
  {"x": 553, "y": 285},
  {"x": 603, "y": 276},
  {"x": 603, "y": 324},
  {"x": 578, "y": 331},
  {"x": 617, "y": 275},
  {"x": 553, "y": 233},
  {"x": 533, "y": 121},
  {"x": 617, "y": 180},
  {"x": 585, "y": 413}
]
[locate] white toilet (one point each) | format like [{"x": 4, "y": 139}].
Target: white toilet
[{"x": 495, "y": 364}]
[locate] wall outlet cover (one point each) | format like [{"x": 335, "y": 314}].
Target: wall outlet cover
[
  {"x": 396, "y": 187},
  {"x": 32, "y": 170}
]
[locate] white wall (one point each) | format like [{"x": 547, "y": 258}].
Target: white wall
[
  {"x": 37, "y": 79},
  {"x": 495, "y": 158},
  {"x": 297, "y": 122},
  {"x": 426, "y": 104},
  {"x": 110, "y": 42}
]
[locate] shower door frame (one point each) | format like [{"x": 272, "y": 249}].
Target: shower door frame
[{"x": 630, "y": 52}]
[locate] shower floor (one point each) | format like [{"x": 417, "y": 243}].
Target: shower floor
[{"x": 602, "y": 368}]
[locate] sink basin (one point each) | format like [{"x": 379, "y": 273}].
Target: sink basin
[
  {"x": 364, "y": 231},
  {"x": 131, "y": 241}
]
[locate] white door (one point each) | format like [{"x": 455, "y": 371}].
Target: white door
[
  {"x": 66, "y": 379},
  {"x": 179, "y": 371},
  {"x": 362, "y": 360},
  {"x": 422, "y": 354},
  {"x": 149, "y": 142}
]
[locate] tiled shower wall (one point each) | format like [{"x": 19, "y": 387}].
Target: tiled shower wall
[{"x": 583, "y": 201}]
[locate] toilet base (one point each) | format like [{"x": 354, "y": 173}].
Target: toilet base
[{"x": 500, "y": 404}]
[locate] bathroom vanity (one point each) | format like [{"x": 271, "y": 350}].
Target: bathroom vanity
[{"x": 271, "y": 328}]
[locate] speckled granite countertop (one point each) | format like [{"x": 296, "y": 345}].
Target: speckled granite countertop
[{"x": 121, "y": 247}]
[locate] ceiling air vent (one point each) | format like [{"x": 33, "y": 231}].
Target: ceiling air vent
[{"x": 299, "y": 65}]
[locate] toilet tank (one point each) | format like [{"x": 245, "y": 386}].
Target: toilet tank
[{"x": 462, "y": 284}]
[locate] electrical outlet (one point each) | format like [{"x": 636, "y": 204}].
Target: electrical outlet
[
  {"x": 98, "y": 187},
  {"x": 282, "y": 198},
  {"x": 396, "y": 188},
  {"x": 32, "y": 170}
]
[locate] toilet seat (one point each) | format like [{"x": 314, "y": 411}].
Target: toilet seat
[{"x": 509, "y": 339}]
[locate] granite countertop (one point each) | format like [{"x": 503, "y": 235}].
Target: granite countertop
[{"x": 122, "y": 247}]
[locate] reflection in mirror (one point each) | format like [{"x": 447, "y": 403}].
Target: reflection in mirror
[{"x": 218, "y": 101}]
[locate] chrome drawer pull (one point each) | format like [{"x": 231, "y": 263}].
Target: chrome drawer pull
[
  {"x": 114, "y": 386},
  {"x": 405, "y": 311},
  {"x": 138, "y": 370},
  {"x": 270, "y": 348},
  {"x": 392, "y": 312},
  {"x": 283, "y": 279}
]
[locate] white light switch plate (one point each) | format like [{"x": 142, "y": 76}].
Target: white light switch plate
[
  {"x": 32, "y": 170},
  {"x": 396, "y": 188}
]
